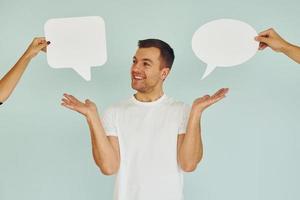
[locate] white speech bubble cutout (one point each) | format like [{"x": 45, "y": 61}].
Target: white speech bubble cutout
[
  {"x": 224, "y": 43},
  {"x": 78, "y": 43}
]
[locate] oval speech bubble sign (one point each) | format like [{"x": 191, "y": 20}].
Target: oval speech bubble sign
[{"x": 224, "y": 43}]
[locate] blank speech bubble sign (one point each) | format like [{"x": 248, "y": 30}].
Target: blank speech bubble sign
[
  {"x": 78, "y": 43},
  {"x": 224, "y": 43}
]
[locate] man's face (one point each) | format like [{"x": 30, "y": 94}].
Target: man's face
[{"x": 147, "y": 72}]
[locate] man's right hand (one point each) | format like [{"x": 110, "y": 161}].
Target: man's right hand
[{"x": 86, "y": 108}]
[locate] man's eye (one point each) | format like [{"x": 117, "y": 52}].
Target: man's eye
[
  {"x": 146, "y": 64},
  {"x": 134, "y": 61}
]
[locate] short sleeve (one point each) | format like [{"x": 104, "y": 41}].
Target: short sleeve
[
  {"x": 185, "y": 113},
  {"x": 108, "y": 120}
]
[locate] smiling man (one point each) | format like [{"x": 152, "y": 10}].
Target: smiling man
[{"x": 149, "y": 139}]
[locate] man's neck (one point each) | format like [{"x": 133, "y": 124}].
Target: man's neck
[{"x": 149, "y": 97}]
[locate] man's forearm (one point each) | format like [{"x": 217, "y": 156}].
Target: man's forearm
[
  {"x": 10, "y": 80},
  {"x": 191, "y": 149},
  {"x": 104, "y": 154}
]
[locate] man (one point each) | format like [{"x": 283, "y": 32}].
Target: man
[
  {"x": 269, "y": 38},
  {"x": 10, "y": 80},
  {"x": 149, "y": 139}
]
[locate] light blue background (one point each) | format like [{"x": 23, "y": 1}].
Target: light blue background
[{"x": 251, "y": 138}]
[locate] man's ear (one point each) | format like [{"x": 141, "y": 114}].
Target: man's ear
[{"x": 165, "y": 72}]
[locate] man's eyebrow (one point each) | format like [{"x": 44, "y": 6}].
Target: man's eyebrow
[
  {"x": 144, "y": 59},
  {"x": 147, "y": 59}
]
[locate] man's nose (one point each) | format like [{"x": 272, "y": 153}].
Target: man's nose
[{"x": 136, "y": 67}]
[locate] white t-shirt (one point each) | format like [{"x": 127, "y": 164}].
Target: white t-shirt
[{"x": 147, "y": 133}]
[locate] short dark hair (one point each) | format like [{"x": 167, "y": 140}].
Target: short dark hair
[{"x": 166, "y": 52}]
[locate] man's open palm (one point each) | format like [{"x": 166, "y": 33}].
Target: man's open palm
[
  {"x": 72, "y": 103},
  {"x": 203, "y": 102}
]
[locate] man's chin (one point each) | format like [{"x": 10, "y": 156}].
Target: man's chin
[{"x": 137, "y": 88}]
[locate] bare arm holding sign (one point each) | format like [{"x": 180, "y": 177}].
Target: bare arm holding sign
[
  {"x": 269, "y": 38},
  {"x": 10, "y": 80}
]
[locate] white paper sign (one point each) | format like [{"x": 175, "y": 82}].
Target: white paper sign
[
  {"x": 78, "y": 43},
  {"x": 224, "y": 43}
]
